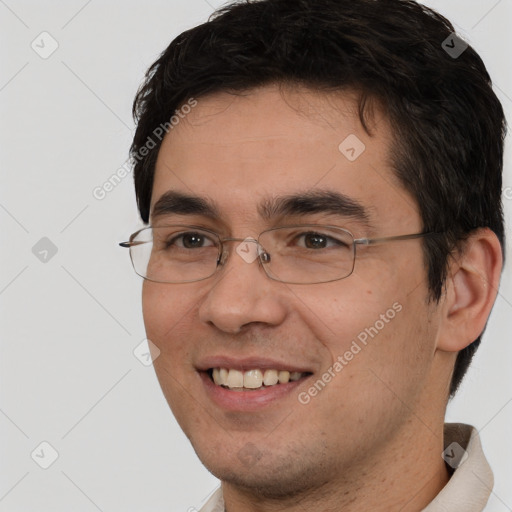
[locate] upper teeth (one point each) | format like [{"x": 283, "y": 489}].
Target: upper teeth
[{"x": 252, "y": 379}]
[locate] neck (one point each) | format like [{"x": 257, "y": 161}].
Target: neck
[{"x": 404, "y": 475}]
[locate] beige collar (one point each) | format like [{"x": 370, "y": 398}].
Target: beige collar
[{"x": 471, "y": 484}]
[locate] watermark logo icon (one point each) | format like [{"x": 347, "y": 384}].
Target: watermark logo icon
[
  {"x": 249, "y": 455},
  {"x": 352, "y": 147},
  {"x": 454, "y": 46},
  {"x": 44, "y": 455},
  {"x": 44, "y": 45},
  {"x": 248, "y": 250},
  {"x": 146, "y": 352},
  {"x": 454, "y": 455},
  {"x": 44, "y": 250}
]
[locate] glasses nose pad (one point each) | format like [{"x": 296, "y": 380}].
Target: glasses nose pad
[
  {"x": 263, "y": 254},
  {"x": 221, "y": 258}
]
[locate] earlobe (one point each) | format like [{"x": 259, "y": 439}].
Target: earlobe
[{"x": 471, "y": 289}]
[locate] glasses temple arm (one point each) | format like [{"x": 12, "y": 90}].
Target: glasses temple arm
[{"x": 372, "y": 241}]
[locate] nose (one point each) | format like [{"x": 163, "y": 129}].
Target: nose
[
  {"x": 241, "y": 293},
  {"x": 249, "y": 250}
]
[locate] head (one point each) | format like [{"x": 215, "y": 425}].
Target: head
[{"x": 277, "y": 86}]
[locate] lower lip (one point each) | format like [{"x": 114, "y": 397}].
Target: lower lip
[{"x": 248, "y": 400}]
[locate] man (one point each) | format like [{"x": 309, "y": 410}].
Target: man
[{"x": 324, "y": 250}]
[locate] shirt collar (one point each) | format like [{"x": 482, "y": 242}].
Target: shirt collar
[{"x": 471, "y": 483}]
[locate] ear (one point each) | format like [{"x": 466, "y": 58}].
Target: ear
[{"x": 471, "y": 289}]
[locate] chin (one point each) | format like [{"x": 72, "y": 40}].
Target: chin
[{"x": 266, "y": 474}]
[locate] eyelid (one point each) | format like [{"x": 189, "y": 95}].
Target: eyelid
[
  {"x": 185, "y": 227},
  {"x": 193, "y": 220},
  {"x": 336, "y": 240},
  {"x": 323, "y": 228},
  {"x": 180, "y": 234}
]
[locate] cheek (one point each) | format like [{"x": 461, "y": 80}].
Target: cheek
[
  {"x": 165, "y": 312},
  {"x": 369, "y": 321},
  {"x": 167, "y": 318},
  {"x": 378, "y": 351},
  {"x": 338, "y": 315},
  {"x": 165, "y": 308}
]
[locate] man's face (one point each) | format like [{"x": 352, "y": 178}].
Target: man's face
[{"x": 238, "y": 151}]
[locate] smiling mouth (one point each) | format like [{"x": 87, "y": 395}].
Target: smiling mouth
[{"x": 250, "y": 380}]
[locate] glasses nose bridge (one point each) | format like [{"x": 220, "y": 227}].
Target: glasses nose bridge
[{"x": 224, "y": 253}]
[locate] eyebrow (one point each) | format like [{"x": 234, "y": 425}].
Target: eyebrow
[
  {"x": 315, "y": 201},
  {"x": 178, "y": 203}
]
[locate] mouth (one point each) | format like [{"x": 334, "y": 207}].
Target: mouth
[
  {"x": 251, "y": 385},
  {"x": 254, "y": 379}
]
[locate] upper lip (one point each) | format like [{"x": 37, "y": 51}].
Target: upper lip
[{"x": 249, "y": 363}]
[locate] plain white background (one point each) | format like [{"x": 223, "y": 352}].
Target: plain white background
[{"x": 70, "y": 323}]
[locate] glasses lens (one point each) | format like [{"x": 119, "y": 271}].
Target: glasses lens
[
  {"x": 308, "y": 254},
  {"x": 175, "y": 254}
]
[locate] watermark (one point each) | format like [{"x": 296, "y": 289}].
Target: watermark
[
  {"x": 357, "y": 345},
  {"x": 249, "y": 455},
  {"x": 146, "y": 352},
  {"x": 454, "y": 46},
  {"x": 44, "y": 250},
  {"x": 101, "y": 191},
  {"x": 248, "y": 250},
  {"x": 454, "y": 455},
  {"x": 44, "y": 455},
  {"x": 507, "y": 193},
  {"x": 44, "y": 45},
  {"x": 352, "y": 147}
]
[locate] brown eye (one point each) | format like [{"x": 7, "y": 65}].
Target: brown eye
[
  {"x": 193, "y": 240},
  {"x": 190, "y": 240},
  {"x": 315, "y": 241}
]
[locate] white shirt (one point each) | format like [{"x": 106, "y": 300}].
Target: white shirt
[{"x": 468, "y": 489}]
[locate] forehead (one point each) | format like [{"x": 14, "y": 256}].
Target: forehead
[{"x": 241, "y": 150}]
